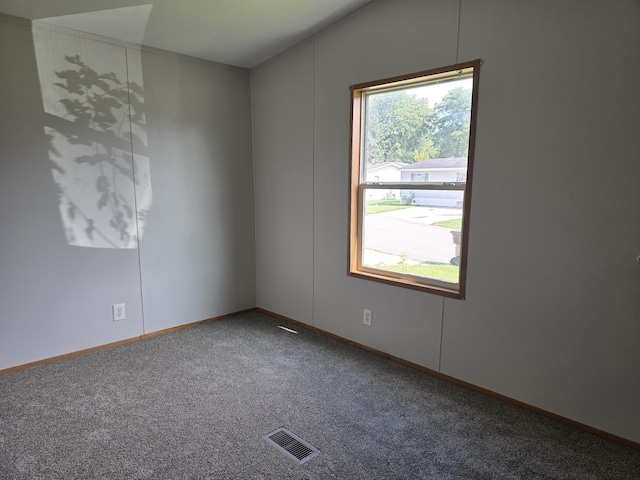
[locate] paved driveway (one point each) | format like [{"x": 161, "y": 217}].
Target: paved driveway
[{"x": 409, "y": 232}]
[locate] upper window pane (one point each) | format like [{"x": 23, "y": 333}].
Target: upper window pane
[{"x": 423, "y": 129}]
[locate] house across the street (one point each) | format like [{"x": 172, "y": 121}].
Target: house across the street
[{"x": 440, "y": 170}]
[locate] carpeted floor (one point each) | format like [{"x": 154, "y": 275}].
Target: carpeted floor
[{"x": 195, "y": 404}]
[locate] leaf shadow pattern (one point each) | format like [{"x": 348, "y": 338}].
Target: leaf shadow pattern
[{"x": 98, "y": 119}]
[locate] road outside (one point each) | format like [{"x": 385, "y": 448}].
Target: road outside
[{"x": 409, "y": 234}]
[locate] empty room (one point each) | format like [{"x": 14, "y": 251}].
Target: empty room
[{"x": 320, "y": 239}]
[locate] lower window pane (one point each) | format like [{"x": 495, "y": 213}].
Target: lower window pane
[{"x": 416, "y": 232}]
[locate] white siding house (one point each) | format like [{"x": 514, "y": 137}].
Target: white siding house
[
  {"x": 384, "y": 172},
  {"x": 436, "y": 170}
]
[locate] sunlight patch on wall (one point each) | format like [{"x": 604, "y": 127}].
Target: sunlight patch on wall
[{"x": 93, "y": 97}]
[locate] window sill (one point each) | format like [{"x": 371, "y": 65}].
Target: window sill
[{"x": 407, "y": 281}]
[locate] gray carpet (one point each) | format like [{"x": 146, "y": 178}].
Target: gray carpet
[{"x": 195, "y": 404}]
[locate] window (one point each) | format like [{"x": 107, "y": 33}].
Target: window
[{"x": 424, "y": 123}]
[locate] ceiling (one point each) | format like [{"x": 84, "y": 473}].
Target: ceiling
[{"x": 244, "y": 33}]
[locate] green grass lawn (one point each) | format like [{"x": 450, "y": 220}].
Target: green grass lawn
[
  {"x": 455, "y": 224},
  {"x": 447, "y": 273},
  {"x": 384, "y": 205}
]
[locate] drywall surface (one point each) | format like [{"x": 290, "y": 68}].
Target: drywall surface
[
  {"x": 56, "y": 295},
  {"x": 93, "y": 165},
  {"x": 282, "y": 110},
  {"x": 552, "y": 315},
  {"x": 197, "y": 255}
]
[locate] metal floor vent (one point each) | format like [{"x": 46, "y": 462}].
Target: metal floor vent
[{"x": 291, "y": 445}]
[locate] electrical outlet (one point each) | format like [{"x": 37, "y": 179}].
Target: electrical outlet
[
  {"x": 366, "y": 317},
  {"x": 118, "y": 312}
]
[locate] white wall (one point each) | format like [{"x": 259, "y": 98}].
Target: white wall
[
  {"x": 197, "y": 255},
  {"x": 552, "y": 315},
  {"x": 282, "y": 97},
  {"x": 193, "y": 182}
]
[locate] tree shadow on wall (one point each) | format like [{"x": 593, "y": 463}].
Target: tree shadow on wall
[{"x": 98, "y": 121}]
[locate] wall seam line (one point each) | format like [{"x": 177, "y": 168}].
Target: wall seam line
[
  {"x": 313, "y": 183},
  {"x": 135, "y": 193},
  {"x": 441, "y": 335},
  {"x": 458, "y": 36},
  {"x": 256, "y": 283}
]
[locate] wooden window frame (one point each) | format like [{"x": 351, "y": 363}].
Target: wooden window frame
[{"x": 357, "y": 183}]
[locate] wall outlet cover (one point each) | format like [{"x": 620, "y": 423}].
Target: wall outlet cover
[
  {"x": 366, "y": 317},
  {"x": 118, "y": 312}
]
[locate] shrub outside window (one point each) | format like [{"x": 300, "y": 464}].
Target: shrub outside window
[{"x": 412, "y": 143}]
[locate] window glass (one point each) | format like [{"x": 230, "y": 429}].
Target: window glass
[{"x": 417, "y": 134}]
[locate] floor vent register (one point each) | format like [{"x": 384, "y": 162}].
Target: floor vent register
[{"x": 291, "y": 445}]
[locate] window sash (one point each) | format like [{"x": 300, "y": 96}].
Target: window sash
[
  {"x": 413, "y": 185},
  {"x": 358, "y": 183},
  {"x": 400, "y": 277}
]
